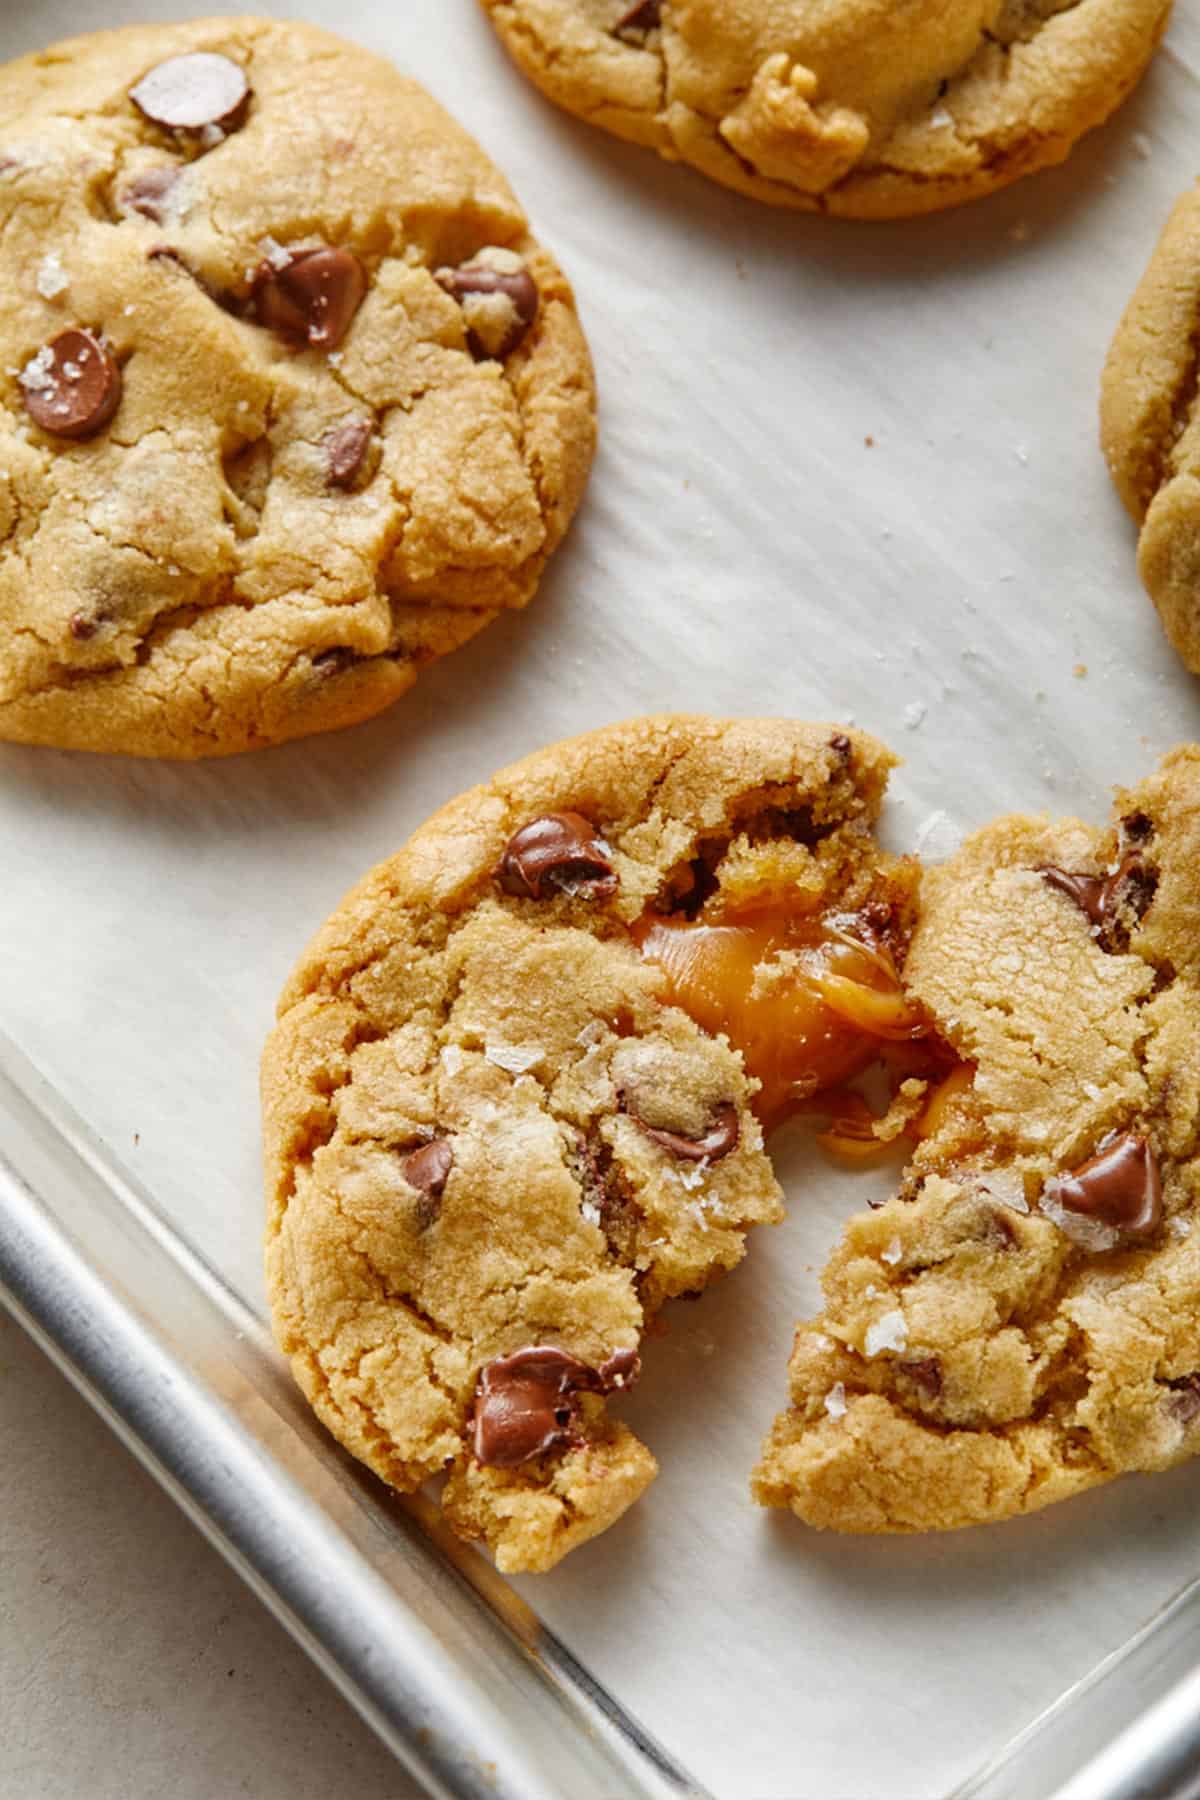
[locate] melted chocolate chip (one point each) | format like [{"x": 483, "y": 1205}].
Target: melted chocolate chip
[
  {"x": 1137, "y": 827},
  {"x": 72, "y": 387},
  {"x": 345, "y": 447},
  {"x": 149, "y": 193},
  {"x": 1087, "y": 891},
  {"x": 608, "y": 1193},
  {"x": 83, "y": 626},
  {"x": 499, "y": 298},
  {"x": 1111, "y": 902},
  {"x": 197, "y": 92},
  {"x": 558, "y": 853},
  {"x": 428, "y": 1170},
  {"x": 527, "y": 1403},
  {"x": 312, "y": 296},
  {"x": 925, "y": 1373},
  {"x": 720, "y": 1138},
  {"x": 1119, "y": 1187},
  {"x": 643, "y": 16}
]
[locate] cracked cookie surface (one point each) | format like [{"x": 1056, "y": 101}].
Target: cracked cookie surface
[
  {"x": 867, "y": 108},
  {"x": 495, "y": 1141},
  {"x": 1150, "y": 424},
  {"x": 1022, "y": 1321},
  {"x": 292, "y": 402}
]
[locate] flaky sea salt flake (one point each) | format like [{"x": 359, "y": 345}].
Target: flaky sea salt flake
[
  {"x": 51, "y": 276},
  {"x": 38, "y": 374},
  {"x": 1089, "y": 1234},
  {"x": 893, "y": 1253},
  {"x": 516, "y": 1058},
  {"x": 887, "y": 1333},
  {"x": 835, "y": 1400}
]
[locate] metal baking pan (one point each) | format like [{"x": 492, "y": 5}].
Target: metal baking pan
[{"x": 964, "y": 585}]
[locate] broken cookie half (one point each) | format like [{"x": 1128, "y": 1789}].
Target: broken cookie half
[
  {"x": 516, "y": 1095},
  {"x": 1022, "y": 1320}
]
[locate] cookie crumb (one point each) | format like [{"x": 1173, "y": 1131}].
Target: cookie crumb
[{"x": 1142, "y": 145}]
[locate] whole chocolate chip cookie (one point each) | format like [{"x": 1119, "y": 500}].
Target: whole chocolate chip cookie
[
  {"x": 1150, "y": 425},
  {"x": 869, "y": 108},
  {"x": 294, "y": 404},
  {"x": 1022, "y": 1320},
  {"x": 516, "y": 1096}
]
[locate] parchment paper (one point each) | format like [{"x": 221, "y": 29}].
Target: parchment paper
[{"x": 846, "y": 472}]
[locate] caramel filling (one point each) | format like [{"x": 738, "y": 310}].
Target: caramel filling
[{"x": 809, "y": 1000}]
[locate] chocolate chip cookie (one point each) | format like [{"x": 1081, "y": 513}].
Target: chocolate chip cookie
[
  {"x": 505, "y": 1115},
  {"x": 1150, "y": 425},
  {"x": 866, "y": 108},
  {"x": 1022, "y": 1320},
  {"x": 292, "y": 402}
]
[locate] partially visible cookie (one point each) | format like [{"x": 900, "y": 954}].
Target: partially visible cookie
[
  {"x": 866, "y": 108},
  {"x": 1022, "y": 1320},
  {"x": 293, "y": 402},
  {"x": 1150, "y": 424},
  {"x": 496, "y": 1141}
]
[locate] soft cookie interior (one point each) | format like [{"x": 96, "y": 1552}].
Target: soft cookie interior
[
  {"x": 1022, "y": 1320},
  {"x": 515, "y": 1098}
]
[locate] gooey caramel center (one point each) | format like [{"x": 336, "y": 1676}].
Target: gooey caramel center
[{"x": 808, "y": 999}]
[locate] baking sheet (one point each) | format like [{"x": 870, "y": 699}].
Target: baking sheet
[{"x": 744, "y": 548}]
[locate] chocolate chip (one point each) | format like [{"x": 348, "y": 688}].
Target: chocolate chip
[
  {"x": 840, "y": 745},
  {"x": 428, "y": 1170},
  {"x": 558, "y": 853},
  {"x": 1119, "y": 1187},
  {"x": 1137, "y": 827},
  {"x": 72, "y": 387},
  {"x": 1112, "y": 902},
  {"x": 720, "y": 1138},
  {"x": 1087, "y": 891},
  {"x": 197, "y": 92},
  {"x": 1185, "y": 1401},
  {"x": 526, "y": 1403},
  {"x": 313, "y": 295},
  {"x": 925, "y": 1373},
  {"x": 607, "y": 1191},
  {"x": 643, "y": 16},
  {"x": 499, "y": 298},
  {"x": 149, "y": 193},
  {"x": 345, "y": 447}
]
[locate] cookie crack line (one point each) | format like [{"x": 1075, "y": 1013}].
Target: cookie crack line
[{"x": 428, "y": 296}]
